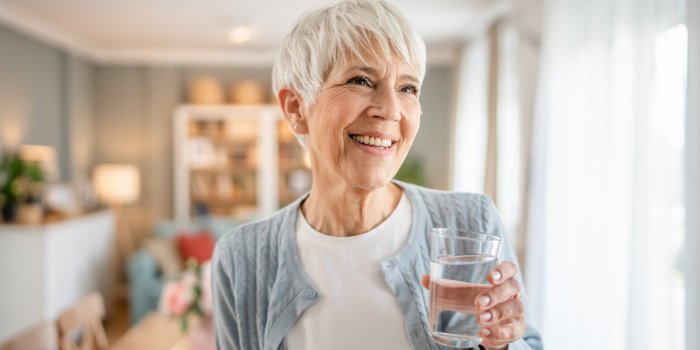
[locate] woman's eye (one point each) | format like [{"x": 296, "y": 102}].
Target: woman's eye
[
  {"x": 360, "y": 81},
  {"x": 409, "y": 89}
]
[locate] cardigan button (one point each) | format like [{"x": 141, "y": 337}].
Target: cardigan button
[
  {"x": 389, "y": 265},
  {"x": 310, "y": 293}
]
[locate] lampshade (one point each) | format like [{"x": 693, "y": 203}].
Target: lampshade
[
  {"x": 45, "y": 156},
  {"x": 117, "y": 183}
]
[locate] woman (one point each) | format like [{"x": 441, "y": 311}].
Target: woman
[{"x": 342, "y": 267}]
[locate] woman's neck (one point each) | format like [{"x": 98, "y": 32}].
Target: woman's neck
[{"x": 344, "y": 211}]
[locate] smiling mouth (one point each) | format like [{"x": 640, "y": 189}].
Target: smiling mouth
[{"x": 373, "y": 141}]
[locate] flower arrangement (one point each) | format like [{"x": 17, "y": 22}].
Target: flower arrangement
[{"x": 189, "y": 295}]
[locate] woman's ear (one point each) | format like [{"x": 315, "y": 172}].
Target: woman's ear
[{"x": 291, "y": 103}]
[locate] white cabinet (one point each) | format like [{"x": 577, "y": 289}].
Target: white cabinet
[
  {"x": 238, "y": 161},
  {"x": 46, "y": 268}
]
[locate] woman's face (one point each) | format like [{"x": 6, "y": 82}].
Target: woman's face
[{"x": 363, "y": 122}]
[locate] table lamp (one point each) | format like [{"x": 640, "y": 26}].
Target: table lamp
[
  {"x": 45, "y": 156},
  {"x": 117, "y": 185}
]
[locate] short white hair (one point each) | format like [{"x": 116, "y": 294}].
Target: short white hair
[{"x": 322, "y": 38}]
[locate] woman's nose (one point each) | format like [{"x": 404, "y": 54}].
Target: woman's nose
[{"x": 386, "y": 104}]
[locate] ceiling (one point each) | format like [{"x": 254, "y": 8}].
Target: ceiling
[{"x": 195, "y": 31}]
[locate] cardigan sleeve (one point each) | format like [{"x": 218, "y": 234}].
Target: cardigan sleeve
[
  {"x": 531, "y": 340},
  {"x": 226, "y": 318}
]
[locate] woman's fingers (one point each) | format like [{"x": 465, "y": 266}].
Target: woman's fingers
[
  {"x": 507, "y": 289},
  {"x": 425, "y": 281},
  {"x": 501, "y": 335},
  {"x": 502, "y": 272},
  {"x": 501, "y": 313},
  {"x": 507, "y": 311}
]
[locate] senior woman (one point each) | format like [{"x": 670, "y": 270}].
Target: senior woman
[{"x": 344, "y": 267}]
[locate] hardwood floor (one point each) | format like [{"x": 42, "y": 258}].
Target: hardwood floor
[{"x": 118, "y": 323}]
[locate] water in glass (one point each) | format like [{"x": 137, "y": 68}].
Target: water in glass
[{"x": 460, "y": 278}]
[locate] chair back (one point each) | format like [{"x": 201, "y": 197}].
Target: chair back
[
  {"x": 80, "y": 327},
  {"x": 40, "y": 336}
]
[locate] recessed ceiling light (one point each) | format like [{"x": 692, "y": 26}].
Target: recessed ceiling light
[{"x": 240, "y": 35}]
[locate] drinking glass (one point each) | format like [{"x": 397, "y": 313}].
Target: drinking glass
[{"x": 460, "y": 260}]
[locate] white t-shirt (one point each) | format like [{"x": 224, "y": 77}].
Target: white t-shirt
[{"x": 357, "y": 310}]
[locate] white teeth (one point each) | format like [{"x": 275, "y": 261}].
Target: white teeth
[{"x": 372, "y": 141}]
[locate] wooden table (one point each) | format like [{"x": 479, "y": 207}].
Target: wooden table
[{"x": 155, "y": 332}]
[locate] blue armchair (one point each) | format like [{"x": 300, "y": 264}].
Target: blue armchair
[{"x": 146, "y": 270}]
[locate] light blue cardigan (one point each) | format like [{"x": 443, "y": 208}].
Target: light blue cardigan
[{"x": 260, "y": 288}]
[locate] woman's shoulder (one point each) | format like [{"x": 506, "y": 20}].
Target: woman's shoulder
[
  {"x": 454, "y": 209},
  {"x": 256, "y": 235},
  {"x": 449, "y": 198}
]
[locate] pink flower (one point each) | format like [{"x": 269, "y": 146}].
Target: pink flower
[
  {"x": 189, "y": 279},
  {"x": 177, "y": 298},
  {"x": 191, "y": 294}
]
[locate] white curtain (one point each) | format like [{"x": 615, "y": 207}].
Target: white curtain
[
  {"x": 471, "y": 124},
  {"x": 606, "y": 205},
  {"x": 488, "y": 105},
  {"x": 692, "y": 171}
]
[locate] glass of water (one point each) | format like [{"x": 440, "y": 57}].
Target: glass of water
[{"x": 460, "y": 260}]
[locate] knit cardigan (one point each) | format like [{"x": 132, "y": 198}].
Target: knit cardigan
[{"x": 260, "y": 288}]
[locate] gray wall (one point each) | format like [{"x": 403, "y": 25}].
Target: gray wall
[
  {"x": 432, "y": 143},
  {"x": 46, "y": 99},
  {"x": 31, "y": 85},
  {"x": 77, "y": 154}
]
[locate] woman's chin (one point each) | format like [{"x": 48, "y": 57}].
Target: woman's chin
[{"x": 371, "y": 181}]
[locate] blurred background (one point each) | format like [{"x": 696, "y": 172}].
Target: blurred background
[{"x": 134, "y": 133}]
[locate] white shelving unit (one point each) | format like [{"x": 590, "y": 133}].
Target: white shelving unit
[{"x": 227, "y": 160}]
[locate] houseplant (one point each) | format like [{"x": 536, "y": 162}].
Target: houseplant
[{"x": 20, "y": 182}]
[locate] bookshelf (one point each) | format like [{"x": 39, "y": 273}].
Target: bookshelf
[{"x": 237, "y": 161}]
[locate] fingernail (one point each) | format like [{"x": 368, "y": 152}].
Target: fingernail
[
  {"x": 496, "y": 275},
  {"x": 485, "y": 316},
  {"x": 485, "y": 332},
  {"x": 484, "y": 300}
]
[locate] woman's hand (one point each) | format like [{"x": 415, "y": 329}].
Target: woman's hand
[{"x": 501, "y": 312}]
